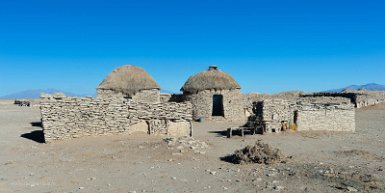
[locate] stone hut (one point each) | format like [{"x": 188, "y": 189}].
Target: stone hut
[
  {"x": 129, "y": 83},
  {"x": 214, "y": 95}
]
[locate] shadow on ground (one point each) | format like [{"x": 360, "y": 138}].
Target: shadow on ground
[
  {"x": 224, "y": 133},
  {"x": 36, "y": 136},
  {"x": 219, "y": 133}
]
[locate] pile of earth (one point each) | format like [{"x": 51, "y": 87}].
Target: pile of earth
[{"x": 260, "y": 153}]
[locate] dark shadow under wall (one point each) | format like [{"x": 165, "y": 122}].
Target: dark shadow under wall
[{"x": 37, "y": 136}]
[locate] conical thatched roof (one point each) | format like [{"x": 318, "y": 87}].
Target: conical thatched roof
[
  {"x": 210, "y": 79},
  {"x": 129, "y": 80}
]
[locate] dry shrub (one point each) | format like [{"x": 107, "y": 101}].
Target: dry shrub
[{"x": 260, "y": 153}]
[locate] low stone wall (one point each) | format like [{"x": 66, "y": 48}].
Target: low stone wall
[
  {"x": 368, "y": 98},
  {"x": 360, "y": 99},
  {"x": 271, "y": 115},
  {"x": 325, "y": 117},
  {"x": 67, "y": 117},
  {"x": 274, "y": 111},
  {"x": 249, "y": 99}
]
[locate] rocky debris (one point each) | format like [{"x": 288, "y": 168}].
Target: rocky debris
[
  {"x": 260, "y": 153},
  {"x": 186, "y": 144},
  {"x": 351, "y": 189},
  {"x": 278, "y": 188}
]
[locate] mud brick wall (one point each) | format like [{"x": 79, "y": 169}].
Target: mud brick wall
[
  {"x": 325, "y": 117},
  {"x": 67, "y": 117}
]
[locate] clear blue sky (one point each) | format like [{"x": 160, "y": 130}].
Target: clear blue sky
[{"x": 267, "y": 45}]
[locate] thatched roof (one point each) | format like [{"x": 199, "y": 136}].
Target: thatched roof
[
  {"x": 210, "y": 79},
  {"x": 129, "y": 80}
]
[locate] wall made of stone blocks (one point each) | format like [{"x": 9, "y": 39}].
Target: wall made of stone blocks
[
  {"x": 368, "y": 98},
  {"x": 326, "y": 117},
  {"x": 274, "y": 111},
  {"x": 270, "y": 114},
  {"x": 67, "y": 117}
]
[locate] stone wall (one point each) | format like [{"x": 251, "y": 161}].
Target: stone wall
[
  {"x": 67, "y": 117},
  {"x": 271, "y": 114},
  {"x": 233, "y": 105},
  {"x": 274, "y": 112},
  {"x": 360, "y": 99},
  {"x": 368, "y": 98},
  {"x": 250, "y": 98},
  {"x": 325, "y": 100},
  {"x": 325, "y": 117},
  {"x": 148, "y": 96}
]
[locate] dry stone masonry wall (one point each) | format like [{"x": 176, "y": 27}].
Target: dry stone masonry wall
[
  {"x": 361, "y": 98},
  {"x": 67, "y": 117},
  {"x": 325, "y": 117},
  {"x": 368, "y": 98},
  {"x": 271, "y": 114},
  {"x": 274, "y": 112}
]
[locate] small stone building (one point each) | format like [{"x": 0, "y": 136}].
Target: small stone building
[
  {"x": 129, "y": 83},
  {"x": 214, "y": 95}
]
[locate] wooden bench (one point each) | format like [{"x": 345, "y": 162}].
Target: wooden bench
[{"x": 230, "y": 130}]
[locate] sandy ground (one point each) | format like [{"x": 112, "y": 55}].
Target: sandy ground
[{"x": 319, "y": 162}]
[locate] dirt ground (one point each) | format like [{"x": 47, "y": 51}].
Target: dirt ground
[{"x": 317, "y": 162}]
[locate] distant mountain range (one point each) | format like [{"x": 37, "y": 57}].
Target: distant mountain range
[
  {"x": 371, "y": 86},
  {"x": 35, "y": 93}
]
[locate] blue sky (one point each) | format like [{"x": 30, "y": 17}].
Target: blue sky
[{"x": 267, "y": 45}]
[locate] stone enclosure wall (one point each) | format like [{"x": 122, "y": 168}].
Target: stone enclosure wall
[
  {"x": 368, "y": 98},
  {"x": 325, "y": 117},
  {"x": 271, "y": 114},
  {"x": 274, "y": 111},
  {"x": 67, "y": 117},
  {"x": 360, "y": 99}
]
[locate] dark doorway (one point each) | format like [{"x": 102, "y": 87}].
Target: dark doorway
[
  {"x": 295, "y": 117},
  {"x": 218, "y": 106}
]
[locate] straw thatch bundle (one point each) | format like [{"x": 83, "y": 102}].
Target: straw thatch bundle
[
  {"x": 129, "y": 80},
  {"x": 210, "y": 79}
]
